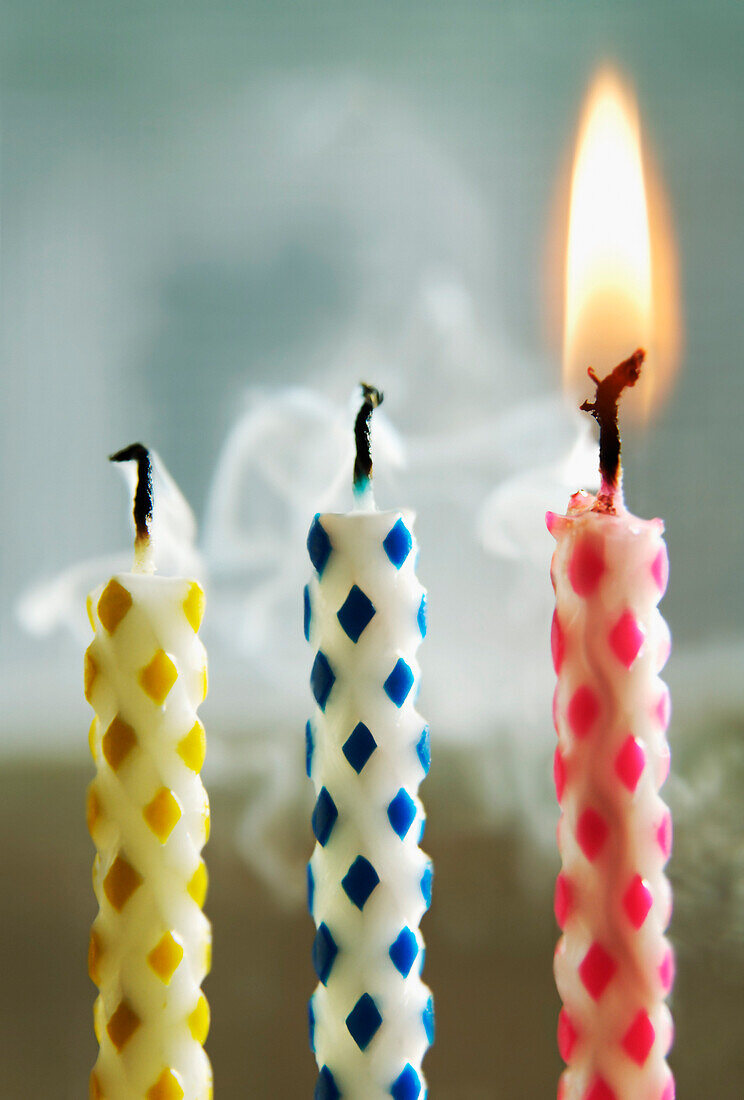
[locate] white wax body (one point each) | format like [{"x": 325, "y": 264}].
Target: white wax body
[
  {"x": 372, "y": 784},
  {"x": 149, "y": 816},
  {"x": 613, "y": 965}
]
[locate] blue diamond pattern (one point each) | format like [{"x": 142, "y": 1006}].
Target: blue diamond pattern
[
  {"x": 325, "y": 950},
  {"x": 423, "y": 750},
  {"x": 359, "y": 746},
  {"x": 397, "y": 543},
  {"x": 324, "y": 818},
  {"x": 325, "y": 1087},
  {"x": 318, "y": 545},
  {"x": 306, "y": 613},
  {"x": 359, "y": 881},
  {"x": 310, "y": 889},
  {"x": 404, "y": 951},
  {"x": 322, "y": 679},
  {"x": 428, "y": 1020},
  {"x": 356, "y": 613},
  {"x": 426, "y": 883},
  {"x": 399, "y": 683},
  {"x": 363, "y": 1021},
  {"x": 401, "y": 812},
  {"x": 311, "y": 1024},
  {"x": 407, "y": 1086},
  {"x": 309, "y": 747},
  {"x": 421, "y": 617}
]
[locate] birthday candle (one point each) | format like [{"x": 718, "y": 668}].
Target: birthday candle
[
  {"x": 613, "y": 965},
  {"x": 369, "y": 883},
  {"x": 148, "y": 814}
]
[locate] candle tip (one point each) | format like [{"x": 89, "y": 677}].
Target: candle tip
[
  {"x": 371, "y": 398},
  {"x": 142, "y": 510},
  {"x": 604, "y": 410}
]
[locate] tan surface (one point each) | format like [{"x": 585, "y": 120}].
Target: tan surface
[{"x": 488, "y": 962}]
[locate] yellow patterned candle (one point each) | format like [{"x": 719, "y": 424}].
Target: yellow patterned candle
[{"x": 148, "y": 814}]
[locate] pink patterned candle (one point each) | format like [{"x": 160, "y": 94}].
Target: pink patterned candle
[{"x": 613, "y": 965}]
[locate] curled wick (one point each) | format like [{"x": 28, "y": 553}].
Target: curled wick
[
  {"x": 363, "y": 462},
  {"x": 604, "y": 410},
  {"x": 142, "y": 510}
]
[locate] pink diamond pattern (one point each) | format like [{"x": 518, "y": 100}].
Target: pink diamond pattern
[
  {"x": 585, "y": 568},
  {"x": 583, "y": 708},
  {"x": 666, "y": 971},
  {"x": 626, "y": 638},
  {"x": 555, "y": 709},
  {"x": 660, "y": 570},
  {"x": 559, "y": 774},
  {"x": 639, "y": 1038},
  {"x": 669, "y": 1090},
  {"x": 597, "y": 970},
  {"x": 637, "y": 901},
  {"x": 567, "y": 1036},
  {"x": 591, "y": 833},
  {"x": 630, "y": 762},
  {"x": 562, "y": 900},
  {"x": 600, "y": 1090},
  {"x": 664, "y": 835},
  {"x": 663, "y": 709},
  {"x": 557, "y": 643}
]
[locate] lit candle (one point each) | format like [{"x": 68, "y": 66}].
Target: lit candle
[
  {"x": 369, "y": 883},
  {"x": 613, "y": 965},
  {"x": 148, "y": 814}
]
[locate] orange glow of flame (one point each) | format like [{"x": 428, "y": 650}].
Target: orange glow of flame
[{"x": 621, "y": 273}]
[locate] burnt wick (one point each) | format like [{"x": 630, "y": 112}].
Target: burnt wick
[
  {"x": 604, "y": 410},
  {"x": 363, "y": 462},
  {"x": 142, "y": 510}
]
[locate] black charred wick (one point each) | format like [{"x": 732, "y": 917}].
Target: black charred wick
[
  {"x": 604, "y": 410},
  {"x": 142, "y": 510},
  {"x": 363, "y": 461}
]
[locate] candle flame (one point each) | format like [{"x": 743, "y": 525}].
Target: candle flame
[{"x": 621, "y": 280}]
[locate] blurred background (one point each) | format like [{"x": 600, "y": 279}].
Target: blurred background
[{"x": 216, "y": 219}]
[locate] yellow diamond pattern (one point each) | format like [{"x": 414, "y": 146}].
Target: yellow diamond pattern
[
  {"x": 158, "y": 677},
  {"x": 193, "y": 606},
  {"x": 92, "y": 736},
  {"x": 94, "y": 957},
  {"x": 120, "y": 883},
  {"x": 122, "y": 1025},
  {"x": 96, "y": 1092},
  {"x": 198, "y": 1021},
  {"x": 167, "y": 1087},
  {"x": 98, "y": 1018},
  {"x": 163, "y": 814},
  {"x": 89, "y": 674},
  {"x": 193, "y": 747},
  {"x": 93, "y": 809},
  {"x": 165, "y": 958},
  {"x": 198, "y": 883},
  {"x": 118, "y": 741},
  {"x": 113, "y": 605},
  {"x": 204, "y": 683},
  {"x": 89, "y": 609}
]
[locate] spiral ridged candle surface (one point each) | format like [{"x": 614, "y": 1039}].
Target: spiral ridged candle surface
[
  {"x": 369, "y": 883},
  {"x": 148, "y": 814},
  {"x": 613, "y": 965}
]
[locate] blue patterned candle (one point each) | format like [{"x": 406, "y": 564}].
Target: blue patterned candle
[{"x": 369, "y": 883}]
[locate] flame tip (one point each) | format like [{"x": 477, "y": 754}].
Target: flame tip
[{"x": 616, "y": 256}]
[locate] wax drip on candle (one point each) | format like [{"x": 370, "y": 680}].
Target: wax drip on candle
[
  {"x": 604, "y": 410},
  {"x": 363, "y": 461},
  {"x": 143, "y": 506}
]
